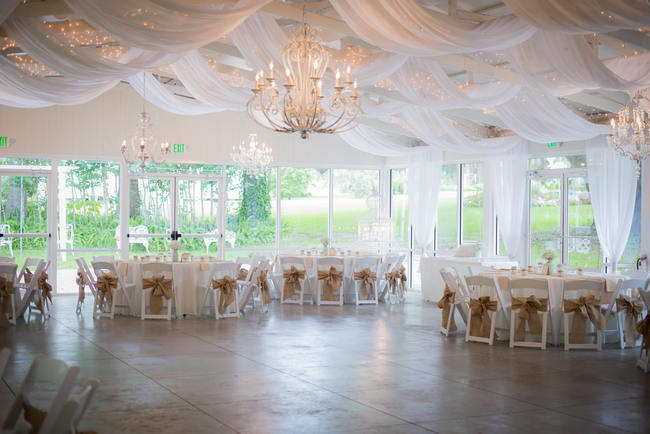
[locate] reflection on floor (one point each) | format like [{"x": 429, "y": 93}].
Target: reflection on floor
[{"x": 329, "y": 369}]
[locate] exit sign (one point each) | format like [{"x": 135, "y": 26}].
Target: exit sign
[
  {"x": 4, "y": 141},
  {"x": 552, "y": 145},
  {"x": 179, "y": 147}
]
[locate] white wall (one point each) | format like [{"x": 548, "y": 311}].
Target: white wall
[{"x": 96, "y": 130}]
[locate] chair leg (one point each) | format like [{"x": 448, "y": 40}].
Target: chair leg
[
  {"x": 544, "y": 329},
  {"x": 620, "y": 327},
  {"x": 566, "y": 332},
  {"x": 143, "y": 306},
  {"x": 512, "y": 329},
  {"x": 216, "y": 304},
  {"x": 492, "y": 328}
]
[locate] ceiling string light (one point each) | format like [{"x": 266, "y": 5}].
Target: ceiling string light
[
  {"x": 143, "y": 146},
  {"x": 301, "y": 109},
  {"x": 631, "y": 130},
  {"x": 253, "y": 158}
]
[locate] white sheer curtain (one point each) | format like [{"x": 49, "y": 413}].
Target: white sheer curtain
[
  {"x": 507, "y": 174},
  {"x": 582, "y": 16},
  {"x": 405, "y": 27},
  {"x": 612, "y": 189},
  {"x": 424, "y": 175}
]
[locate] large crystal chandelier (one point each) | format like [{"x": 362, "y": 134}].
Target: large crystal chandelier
[
  {"x": 254, "y": 158},
  {"x": 301, "y": 108},
  {"x": 631, "y": 130},
  {"x": 143, "y": 147}
]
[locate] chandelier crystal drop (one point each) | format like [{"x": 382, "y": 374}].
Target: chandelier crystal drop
[
  {"x": 631, "y": 130},
  {"x": 254, "y": 158},
  {"x": 301, "y": 108}
]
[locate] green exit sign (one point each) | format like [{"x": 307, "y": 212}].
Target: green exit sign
[
  {"x": 4, "y": 141},
  {"x": 552, "y": 145},
  {"x": 179, "y": 147}
]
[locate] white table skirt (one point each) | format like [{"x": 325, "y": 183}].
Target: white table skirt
[
  {"x": 556, "y": 288},
  {"x": 188, "y": 278}
]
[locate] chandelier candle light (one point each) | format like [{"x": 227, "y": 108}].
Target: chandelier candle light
[
  {"x": 631, "y": 130},
  {"x": 254, "y": 158},
  {"x": 301, "y": 108}
]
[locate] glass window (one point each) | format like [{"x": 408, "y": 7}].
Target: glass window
[
  {"x": 250, "y": 209},
  {"x": 21, "y": 162},
  {"x": 447, "y": 227},
  {"x": 150, "y": 211},
  {"x": 545, "y": 218},
  {"x": 399, "y": 208},
  {"x": 304, "y": 207},
  {"x": 584, "y": 248},
  {"x": 559, "y": 162},
  {"x": 356, "y": 208},
  {"x": 472, "y": 203},
  {"x": 179, "y": 168}
]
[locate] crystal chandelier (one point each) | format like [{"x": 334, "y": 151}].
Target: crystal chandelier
[
  {"x": 254, "y": 158},
  {"x": 631, "y": 130},
  {"x": 301, "y": 108},
  {"x": 143, "y": 147}
]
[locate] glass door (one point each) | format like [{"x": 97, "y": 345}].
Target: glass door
[
  {"x": 582, "y": 239},
  {"x": 545, "y": 217},
  {"x": 198, "y": 216},
  {"x": 151, "y": 207},
  {"x": 24, "y": 215}
]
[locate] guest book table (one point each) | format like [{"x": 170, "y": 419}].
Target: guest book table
[
  {"x": 188, "y": 278},
  {"x": 432, "y": 284}
]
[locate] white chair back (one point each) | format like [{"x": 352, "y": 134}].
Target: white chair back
[
  {"x": 222, "y": 269},
  {"x": 29, "y": 263},
  {"x": 151, "y": 268},
  {"x": 576, "y": 288},
  {"x": 371, "y": 262},
  {"x": 540, "y": 288},
  {"x": 479, "y": 286},
  {"x": 105, "y": 258},
  {"x": 626, "y": 287}
]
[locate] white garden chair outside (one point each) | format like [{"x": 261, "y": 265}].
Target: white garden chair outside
[
  {"x": 49, "y": 371},
  {"x": 133, "y": 238},
  {"x": 324, "y": 264},
  {"x": 149, "y": 270},
  {"x": 373, "y": 264},
  {"x": 123, "y": 288},
  {"x": 4, "y": 240},
  {"x": 8, "y": 271},
  {"x": 574, "y": 289},
  {"x": 522, "y": 289}
]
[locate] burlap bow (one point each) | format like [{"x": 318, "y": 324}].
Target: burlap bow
[
  {"x": 27, "y": 275},
  {"x": 46, "y": 291},
  {"x": 6, "y": 292},
  {"x": 392, "y": 280},
  {"x": 34, "y": 416},
  {"x": 291, "y": 281},
  {"x": 633, "y": 310},
  {"x": 584, "y": 307},
  {"x": 160, "y": 287},
  {"x": 81, "y": 282},
  {"x": 105, "y": 284},
  {"x": 643, "y": 327},
  {"x": 367, "y": 279},
  {"x": 263, "y": 285},
  {"x": 480, "y": 322},
  {"x": 227, "y": 286},
  {"x": 528, "y": 309},
  {"x": 445, "y": 304},
  {"x": 332, "y": 280},
  {"x": 242, "y": 274},
  {"x": 402, "y": 278}
]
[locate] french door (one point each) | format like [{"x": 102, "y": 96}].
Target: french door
[
  {"x": 162, "y": 207},
  {"x": 561, "y": 219}
]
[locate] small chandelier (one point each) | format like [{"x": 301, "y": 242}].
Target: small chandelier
[
  {"x": 253, "y": 158},
  {"x": 143, "y": 147},
  {"x": 631, "y": 130},
  {"x": 301, "y": 108}
]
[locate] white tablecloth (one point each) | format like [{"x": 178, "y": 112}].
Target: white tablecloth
[
  {"x": 430, "y": 266},
  {"x": 556, "y": 286},
  {"x": 188, "y": 278}
]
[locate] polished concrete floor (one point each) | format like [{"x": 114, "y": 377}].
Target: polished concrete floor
[{"x": 306, "y": 369}]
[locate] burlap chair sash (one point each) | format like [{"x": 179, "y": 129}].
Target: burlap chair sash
[
  {"x": 81, "y": 282},
  {"x": 46, "y": 291},
  {"x": 292, "y": 279},
  {"x": 586, "y": 306},
  {"x": 332, "y": 281},
  {"x": 6, "y": 291},
  {"x": 528, "y": 313},
  {"x": 445, "y": 304},
  {"x": 480, "y": 322},
  {"x": 643, "y": 327},
  {"x": 633, "y": 310},
  {"x": 263, "y": 285},
  {"x": 402, "y": 278},
  {"x": 160, "y": 287},
  {"x": 242, "y": 274},
  {"x": 367, "y": 279},
  {"x": 27, "y": 275},
  {"x": 34, "y": 416},
  {"x": 105, "y": 284},
  {"x": 227, "y": 286},
  {"x": 392, "y": 280}
]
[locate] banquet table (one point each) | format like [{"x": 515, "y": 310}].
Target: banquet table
[
  {"x": 311, "y": 280},
  {"x": 188, "y": 278},
  {"x": 556, "y": 287}
]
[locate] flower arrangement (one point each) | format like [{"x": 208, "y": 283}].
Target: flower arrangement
[
  {"x": 324, "y": 242},
  {"x": 175, "y": 246},
  {"x": 548, "y": 255}
]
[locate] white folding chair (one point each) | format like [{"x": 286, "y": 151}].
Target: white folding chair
[
  {"x": 574, "y": 289},
  {"x": 247, "y": 285},
  {"x": 637, "y": 274},
  {"x": 327, "y": 264},
  {"x": 644, "y": 363},
  {"x": 123, "y": 288},
  {"x": 42, "y": 372},
  {"x": 286, "y": 262},
  {"x": 481, "y": 286},
  {"x": 523, "y": 289},
  {"x": 83, "y": 401},
  {"x": 149, "y": 270},
  {"x": 21, "y": 285},
  {"x": 33, "y": 299},
  {"x": 88, "y": 280},
  {"x": 373, "y": 264},
  {"x": 104, "y": 258},
  {"x": 460, "y": 299},
  {"x": 391, "y": 263},
  {"x": 8, "y": 272},
  {"x": 219, "y": 271},
  {"x": 630, "y": 289}
]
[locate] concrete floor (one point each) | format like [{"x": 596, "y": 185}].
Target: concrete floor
[{"x": 306, "y": 369}]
